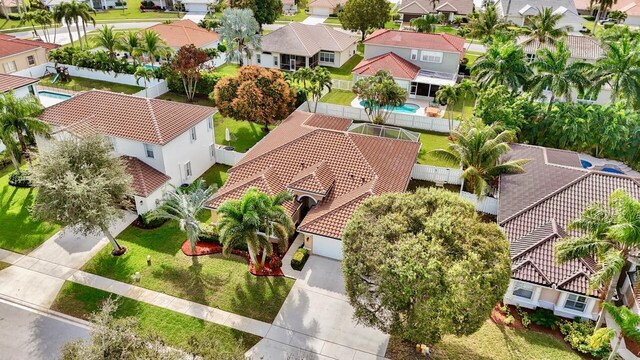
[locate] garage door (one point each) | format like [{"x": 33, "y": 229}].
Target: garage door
[
  {"x": 196, "y": 8},
  {"x": 328, "y": 247},
  {"x": 320, "y": 11}
]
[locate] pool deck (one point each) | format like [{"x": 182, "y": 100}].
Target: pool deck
[
  {"x": 420, "y": 112},
  {"x": 596, "y": 162},
  {"x": 48, "y": 101}
]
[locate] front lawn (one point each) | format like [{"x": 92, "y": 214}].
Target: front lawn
[
  {"x": 332, "y": 21},
  {"x": 472, "y": 56},
  {"x": 172, "y": 327},
  {"x": 84, "y": 84},
  {"x": 4, "y": 265},
  {"x": 246, "y": 133},
  {"x": 339, "y": 97},
  {"x": 228, "y": 69},
  {"x": 133, "y": 12},
  {"x": 298, "y": 17},
  {"x": 198, "y": 100},
  {"x": 431, "y": 141},
  {"x": 344, "y": 72},
  {"x": 219, "y": 281},
  {"x": 216, "y": 175},
  {"x": 19, "y": 232}
]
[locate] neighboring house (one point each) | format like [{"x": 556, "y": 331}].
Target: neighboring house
[
  {"x": 297, "y": 45},
  {"x": 629, "y": 7},
  {"x": 165, "y": 141},
  {"x": 49, "y": 4},
  {"x": 21, "y": 87},
  {"x": 289, "y": 7},
  {"x": 534, "y": 210},
  {"x": 198, "y": 6},
  {"x": 19, "y": 54},
  {"x": 585, "y": 7},
  {"x": 411, "y": 9},
  {"x": 420, "y": 63},
  {"x": 185, "y": 32},
  {"x": 325, "y": 7},
  {"x": 583, "y": 48},
  {"x": 520, "y": 10},
  {"x": 8, "y": 7},
  {"x": 328, "y": 169}
]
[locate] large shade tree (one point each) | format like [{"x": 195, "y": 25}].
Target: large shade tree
[
  {"x": 264, "y": 11},
  {"x": 503, "y": 64},
  {"x": 610, "y": 233},
  {"x": 365, "y": 15},
  {"x": 81, "y": 185},
  {"x": 256, "y": 94},
  {"x": 381, "y": 94},
  {"x": 18, "y": 118},
  {"x": 423, "y": 265},
  {"x": 240, "y": 31}
]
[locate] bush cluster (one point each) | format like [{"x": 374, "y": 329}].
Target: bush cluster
[
  {"x": 578, "y": 333},
  {"x": 208, "y": 80},
  {"x": 299, "y": 258},
  {"x": 148, "y": 5},
  {"x": 544, "y": 317},
  {"x": 209, "y": 233},
  {"x": 20, "y": 179},
  {"x": 148, "y": 221},
  {"x": 98, "y": 60}
]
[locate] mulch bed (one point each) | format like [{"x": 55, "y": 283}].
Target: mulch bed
[{"x": 207, "y": 248}]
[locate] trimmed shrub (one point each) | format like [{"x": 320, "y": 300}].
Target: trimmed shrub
[
  {"x": 14, "y": 16},
  {"x": 589, "y": 17},
  {"x": 578, "y": 334},
  {"x": 299, "y": 258},
  {"x": 147, "y": 221},
  {"x": 20, "y": 179},
  {"x": 608, "y": 25},
  {"x": 209, "y": 233},
  {"x": 544, "y": 317},
  {"x": 275, "y": 263}
]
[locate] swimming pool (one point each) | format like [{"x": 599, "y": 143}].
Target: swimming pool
[
  {"x": 50, "y": 98},
  {"x": 612, "y": 170},
  {"x": 585, "y": 164},
  {"x": 406, "y": 108},
  {"x": 149, "y": 66}
]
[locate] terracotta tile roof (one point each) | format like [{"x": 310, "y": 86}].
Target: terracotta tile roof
[
  {"x": 415, "y": 40},
  {"x": 306, "y": 40},
  {"x": 394, "y": 64},
  {"x": 145, "y": 179},
  {"x": 630, "y": 7},
  {"x": 358, "y": 165},
  {"x": 184, "y": 32},
  {"x": 328, "y": 122},
  {"x": 11, "y": 45},
  {"x": 150, "y": 121},
  {"x": 423, "y": 7},
  {"x": 317, "y": 178},
  {"x": 12, "y": 82},
  {"x": 580, "y": 47}
]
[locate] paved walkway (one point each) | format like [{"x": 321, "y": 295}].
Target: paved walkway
[
  {"x": 315, "y": 19},
  {"x": 196, "y": 17}
]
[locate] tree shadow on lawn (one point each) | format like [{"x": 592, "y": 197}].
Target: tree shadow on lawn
[
  {"x": 167, "y": 239},
  {"x": 247, "y": 136},
  {"x": 539, "y": 339},
  {"x": 265, "y": 294},
  {"x": 114, "y": 267}
]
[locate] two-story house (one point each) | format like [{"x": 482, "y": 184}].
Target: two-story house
[
  {"x": 519, "y": 11},
  {"x": 19, "y": 54},
  {"x": 419, "y": 62},
  {"x": 20, "y": 85},
  {"x": 411, "y": 9},
  {"x": 297, "y": 45},
  {"x": 161, "y": 141}
]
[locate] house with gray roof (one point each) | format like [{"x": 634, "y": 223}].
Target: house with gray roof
[
  {"x": 534, "y": 210},
  {"x": 517, "y": 11},
  {"x": 297, "y": 45},
  {"x": 411, "y": 9}
]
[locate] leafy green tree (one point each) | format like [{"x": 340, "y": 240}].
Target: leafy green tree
[
  {"x": 448, "y": 95},
  {"x": 11, "y": 146},
  {"x": 81, "y": 185},
  {"x": 544, "y": 27},
  {"x": 611, "y": 233},
  {"x": 265, "y": 11},
  {"x": 183, "y": 206},
  {"x": 108, "y": 39},
  {"x": 504, "y": 63},
  {"x": 153, "y": 45},
  {"x": 555, "y": 72},
  {"x": 131, "y": 44},
  {"x": 619, "y": 69},
  {"x": 19, "y": 119},
  {"x": 478, "y": 150},
  {"x": 381, "y": 94},
  {"x": 364, "y": 15},
  {"x": 626, "y": 319},
  {"x": 426, "y": 24},
  {"x": 241, "y": 32},
  {"x": 423, "y": 265},
  {"x": 188, "y": 64}
]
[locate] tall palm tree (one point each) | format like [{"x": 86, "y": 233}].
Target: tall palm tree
[
  {"x": 30, "y": 17},
  {"x": 241, "y": 32},
  {"x": 146, "y": 74},
  {"x": 131, "y": 44},
  {"x": 44, "y": 18},
  {"x": 426, "y": 24},
  {"x": 302, "y": 77},
  {"x": 11, "y": 146},
  {"x": 478, "y": 150},
  {"x": 108, "y": 39},
  {"x": 554, "y": 72},
  {"x": 184, "y": 205},
  {"x": 610, "y": 233},
  {"x": 504, "y": 63},
  {"x": 620, "y": 69},
  {"x": 86, "y": 13},
  {"x": 544, "y": 27},
  {"x": 603, "y": 6},
  {"x": 626, "y": 319},
  {"x": 72, "y": 11},
  {"x": 20, "y": 118},
  {"x": 276, "y": 221},
  {"x": 60, "y": 15},
  {"x": 467, "y": 88},
  {"x": 153, "y": 45},
  {"x": 448, "y": 95},
  {"x": 484, "y": 24},
  {"x": 321, "y": 81}
]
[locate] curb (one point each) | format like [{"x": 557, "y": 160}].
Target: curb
[{"x": 44, "y": 311}]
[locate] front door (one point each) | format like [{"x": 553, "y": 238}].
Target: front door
[{"x": 414, "y": 90}]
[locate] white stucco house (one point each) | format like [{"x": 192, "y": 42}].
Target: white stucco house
[
  {"x": 517, "y": 11},
  {"x": 325, "y": 7},
  {"x": 162, "y": 142}
]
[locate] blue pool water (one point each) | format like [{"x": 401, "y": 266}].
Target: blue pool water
[
  {"x": 54, "y": 95},
  {"x": 406, "y": 108},
  {"x": 612, "y": 170},
  {"x": 585, "y": 164},
  {"x": 152, "y": 67}
]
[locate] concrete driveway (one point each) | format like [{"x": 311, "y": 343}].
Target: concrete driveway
[
  {"x": 315, "y": 19},
  {"x": 316, "y": 320},
  {"x": 196, "y": 17}
]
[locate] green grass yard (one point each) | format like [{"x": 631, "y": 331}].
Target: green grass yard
[
  {"x": 19, "y": 231},
  {"x": 431, "y": 141},
  {"x": 461, "y": 110},
  {"x": 472, "y": 56},
  {"x": 218, "y": 281},
  {"x": 228, "y": 69},
  {"x": 332, "y": 21},
  {"x": 344, "y": 72},
  {"x": 298, "y": 17},
  {"x": 339, "y": 97},
  {"x": 82, "y": 84},
  {"x": 198, "y": 100},
  {"x": 133, "y": 12},
  {"x": 173, "y": 327},
  {"x": 216, "y": 175},
  {"x": 246, "y": 133}
]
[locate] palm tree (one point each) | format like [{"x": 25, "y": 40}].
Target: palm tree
[
  {"x": 20, "y": 118},
  {"x": 108, "y": 39},
  {"x": 85, "y": 12},
  {"x": 145, "y": 74},
  {"x": 44, "y": 18},
  {"x": 302, "y": 76},
  {"x": 11, "y": 147},
  {"x": 241, "y": 32},
  {"x": 131, "y": 44},
  {"x": 467, "y": 88},
  {"x": 503, "y": 64},
  {"x": 544, "y": 27},
  {"x": 484, "y": 24},
  {"x": 448, "y": 95},
  {"x": 72, "y": 13},
  {"x": 426, "y": 24},
  {"x": 627, "y": 320},
  {"x": 604, "y": 5},
  {"x": 184, "y": 205},
  {"x": 153, "y": 45},
  {"x": 320, "y": 80},
  {"x": 609, "y": 233},
  {"x": 555, "y": 73},
  {"x": 30, "y": 17},
  {"x": 60, "y": 15},
  {"x": 478, "y": 150},
  {"x": 277, "y": 222},
  {"x": 620, "y": 69}
]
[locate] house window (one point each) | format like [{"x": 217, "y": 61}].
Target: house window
[
  {"x": 327, "y": 57},
  {"x": 431, "y": 56},
  {"x": 414, "y": 54},
  {"x": 187, "y": 169},
  {"x": 258, "y": 59},
  {"x": 10, "y": 67},
  {"x": 576, "y": 302},
  {"x": 31, "y": 60},
  {"x": 32, "y": 91},
  {"x": 275, "y": 60},
  {"x": 148, "y": 149},
  {"x": 523, "y": 290},
  {"x": 194, "y": 136},
  {"x": 210, "y": 124},
  {"x": 212, "y": 151}
]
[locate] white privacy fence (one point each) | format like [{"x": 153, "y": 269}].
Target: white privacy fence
[
  {"x": 488, "y": 205},
  {"x": 396, "y": 119},
  {"x": 227, "y": 157},
  {"x": 436, "y": 174},
  {"x": 154, "y": 91},
  {"x": 341, "y": 84}
]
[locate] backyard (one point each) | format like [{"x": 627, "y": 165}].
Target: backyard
[
  {"x": 339, "y": 97},
  {"x": 216, "y": 175},
  {"x": 83, "y": 84},
  {"x": 431, "y": 141},
  {"x": 174, "y": 328},
  {"x": 20, "y": 232},
  {"x": 198, "y": 100},
  {"x": 461, "y": 109},
  {"x": 228, "y": 70},
  {"x": 344, "y": 72},
  {"x": 246, "y": 133}
]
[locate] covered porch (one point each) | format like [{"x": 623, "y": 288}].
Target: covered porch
[
  {"x": 290, "y": 62},
  {"x": 427, "y": 83}
]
